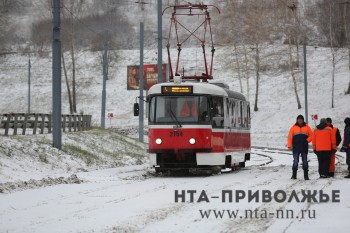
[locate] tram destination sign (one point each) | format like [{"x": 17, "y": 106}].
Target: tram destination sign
[{"x": 177, "y": 89}]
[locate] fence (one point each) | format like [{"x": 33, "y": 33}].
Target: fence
[{"x": 39, "y": 121}]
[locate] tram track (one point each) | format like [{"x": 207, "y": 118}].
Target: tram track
[{"x": 340, "y": 157}]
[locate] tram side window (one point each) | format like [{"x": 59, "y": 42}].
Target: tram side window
[
  {"x": 217, "y": 109},
  {"x": 248, "y": 115},
  {"x": 241, "y": 119},
  {"x": 228, "y": 103},
  {"x": 245, "y": 118},
  {"x": 233, "y": 113},
  {"x": 152, "y": 109},
  {"x": 203, "y": 109},
  {"x": 227, "y": 121},
  {"x": 239, "y": 114}
]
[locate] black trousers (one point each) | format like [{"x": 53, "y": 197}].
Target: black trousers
[
  {"x": 324, "y": 159},
  {"x": 348, "y": 158}
]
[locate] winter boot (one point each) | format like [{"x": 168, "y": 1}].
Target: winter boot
[
  {"x": 294, "y": 176},
  {"x": 331, "y": 174},
  {"x": 348, "y": 176},
  {"x": 306, "y": 175}
]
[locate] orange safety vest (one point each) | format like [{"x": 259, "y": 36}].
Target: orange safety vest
[
  {"x": 323, "y": 139},
  {"x": 186, "y": 111},
  {"x": 296, "y": 130}
]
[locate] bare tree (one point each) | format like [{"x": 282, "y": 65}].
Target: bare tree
[
  {"x": 292, "y": 32},
  {"x": 346, "y": 22},
  {"x": 331, "y": 40},
  {"x": 3, "y": 23},
  {"x": 8, "y": 7},
  {"x": 259, "y": 26},
  {"x": 67, "y": 85},
  {"x": 330, "y": 20},
  {"x": 238, "y": 67},
  {"x": 246, "y": 69},
  {"x": 257, "y": 73},
  {"x": 231, "y": 33},
  {"x": 71, "y": 13},
  {"x": 292, "y": 71},
  {"x": 250, "y": 24}
]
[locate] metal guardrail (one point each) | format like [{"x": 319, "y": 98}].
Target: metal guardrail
[{"x": 40, "y": 121}]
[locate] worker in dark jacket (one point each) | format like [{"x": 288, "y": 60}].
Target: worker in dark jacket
[
  {"x": 300, "y": 134},
  {"x": 323, "y": 142},
  {"x": 346, "y": 143},
  {"x": 337, "y": 136}
]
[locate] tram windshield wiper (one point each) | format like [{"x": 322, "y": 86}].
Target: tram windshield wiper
[{"x": 174, "y": 118}]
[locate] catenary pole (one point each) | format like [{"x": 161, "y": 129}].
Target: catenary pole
[
  {"x": 305, "y": 83},
  {"x": 141, "y": 123},
  {"x": 160, "y": 36},
  {"x": 105, "y": 66},
  {"x": 29, "y": 67},
  {"x": 56, "y": 76}
]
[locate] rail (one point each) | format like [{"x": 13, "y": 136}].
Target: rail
[{"x": 13, "y": 122}]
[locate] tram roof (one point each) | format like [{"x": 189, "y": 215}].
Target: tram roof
[{"x": 200, "y": 88}]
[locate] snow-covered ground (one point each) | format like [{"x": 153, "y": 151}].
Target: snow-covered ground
[
  {"x": 100, "y": 182},
  {"x": 33, "y": 157},
  {"x": 134, "y": 199}
]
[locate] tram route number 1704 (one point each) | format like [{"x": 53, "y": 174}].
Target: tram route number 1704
[{"x": 176, "y": 134}]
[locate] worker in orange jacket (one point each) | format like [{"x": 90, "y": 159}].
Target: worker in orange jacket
[
  {"x": 189, "y": 109},
  {"x": 300, "y": 134},
  {"x": 323, "y": 142},
  {"x": 337, "y": 136}
]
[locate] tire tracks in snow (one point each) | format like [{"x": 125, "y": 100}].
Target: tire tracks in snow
[
  {"x": 177, "y": 209},
  {"x": 174, "y": 209},
  {"x": 307, "y": 206},
  {"x": 263, "y": 224}
]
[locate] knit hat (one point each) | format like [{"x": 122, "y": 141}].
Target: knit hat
[
  {"x": 323, "y": 121},
  {"x": 347, "y": 121},
  {"x": 329, "y": 120},
  {"x": 300, "y": 117}
]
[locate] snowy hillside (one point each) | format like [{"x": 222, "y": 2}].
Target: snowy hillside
[
  {"x": 33, "y": 157},
  {"x": 277, "y": 102},
  {"x": 101, "y": 181}
]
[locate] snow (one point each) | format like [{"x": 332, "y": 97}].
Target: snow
[
  {"x": 33, "y": 157},
  {"x": 118, "y": 192},
  {"x": 134, "y": 200}
]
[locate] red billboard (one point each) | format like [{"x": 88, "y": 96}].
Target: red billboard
[{"x": 150, "y": 76}]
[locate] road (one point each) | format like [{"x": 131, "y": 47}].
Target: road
[{"x": 135, "y": 199}]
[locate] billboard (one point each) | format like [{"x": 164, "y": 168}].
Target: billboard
[{"x": 150, "y": 76}]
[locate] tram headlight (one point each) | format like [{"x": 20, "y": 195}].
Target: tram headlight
[
  {"x": 192, "y": 141},
  {"x": 158, "y": 141}
]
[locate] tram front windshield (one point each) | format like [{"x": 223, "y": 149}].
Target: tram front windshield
[{"x": 179, "y": 109}]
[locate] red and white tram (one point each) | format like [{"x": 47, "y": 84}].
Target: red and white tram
[
  {"x": 194, "y": 124},
  {"x": 197, "y": 125}
]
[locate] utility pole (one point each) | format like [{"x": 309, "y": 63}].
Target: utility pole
[
  {"x": 105, "y": 67},
  {"x": 29, "y": 67},
  {"x": 160, "y": 38},
  {"x": 141, "y": 85},
  {"x": 56, "y": 76},
  {"x": 305, "y": 82}
]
